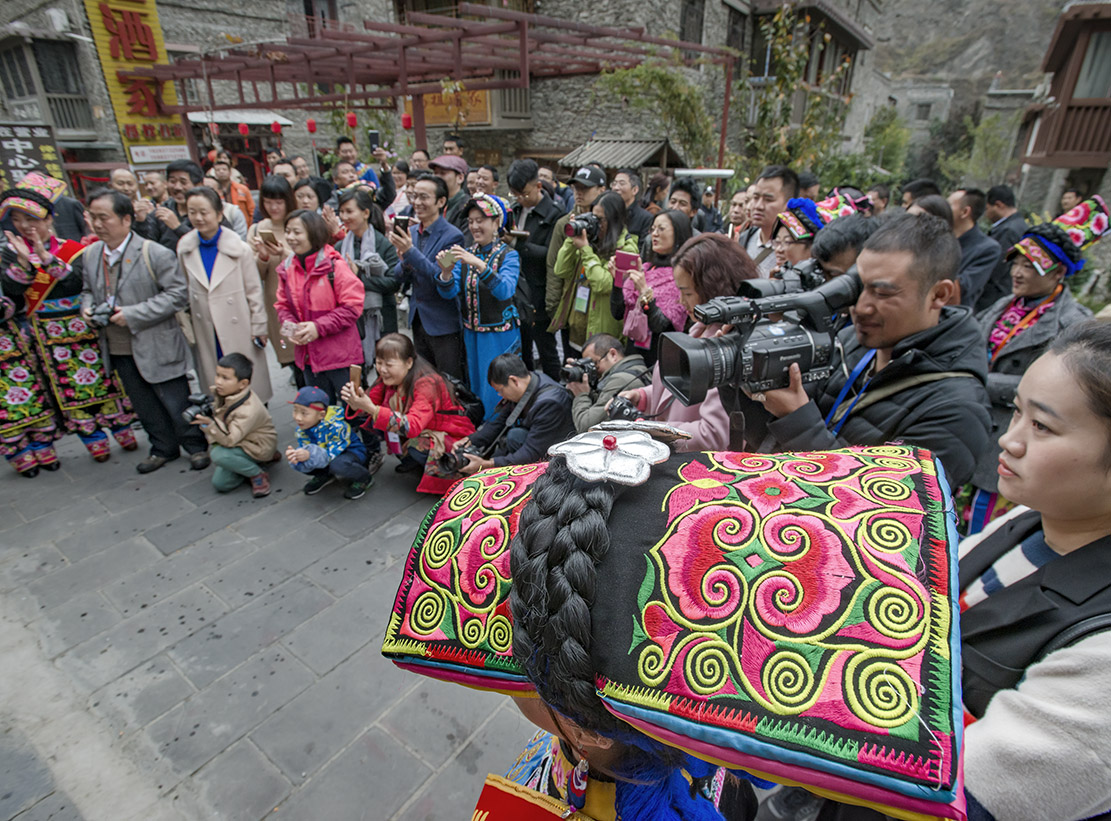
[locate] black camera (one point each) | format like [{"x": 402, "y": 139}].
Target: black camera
[
  {"x": 100, "y": 315},
  {"x": 758, "y": 353},
  {"x": 622, "y": 409},
  {"x": 200, "y": 404},
  {"x": 806, "y": 276},
  {"x": 584, "y": 222},
  {"x": 453, "y": 462},
  {"x": 575, "y": 371}
]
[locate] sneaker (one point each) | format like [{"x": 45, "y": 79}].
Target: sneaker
[
  {"x": 316, "y": 484},
  {"x": 153, "y": 463},
  {"x": 260, "y": 485},
  {"x": 357, "y": 490},
  {"x": 199, "y": 461},
  {"x": 375, "y": 458},
  {"x": 30, "y": 474}
]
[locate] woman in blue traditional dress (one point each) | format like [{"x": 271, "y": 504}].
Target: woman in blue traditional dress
[
  {"x": 484, "y": 277},
  {"x": 52, "y": 376}
]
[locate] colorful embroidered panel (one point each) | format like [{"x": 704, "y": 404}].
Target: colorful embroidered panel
[
  {"x": 451, "y": 615},
  {"x": 797, "y": 611}
]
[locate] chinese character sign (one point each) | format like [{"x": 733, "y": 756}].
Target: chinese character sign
[
  {"x": 23, "y": 147},
  {"x": 128, "y": 38}
]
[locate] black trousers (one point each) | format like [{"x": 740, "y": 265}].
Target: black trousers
[
  {"x": 158, "y": 406},
  {"x": 537, "y": 331},
  {"x": 444, "y": 352},
  {"x": 331, "y": 382}
]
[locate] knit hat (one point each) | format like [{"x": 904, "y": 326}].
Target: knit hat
[
  {"x": 35, "y": 195},
  {"x": 790, "y": 615},
  {"x": 1084, "y": 224},
  {"x": 311, "y": 397},
  {"x": 802, "y": 219},
  {"x": 491, "y": 206}
]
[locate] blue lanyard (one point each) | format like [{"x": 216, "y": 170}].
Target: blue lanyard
[{"x": 856, "y": 372}]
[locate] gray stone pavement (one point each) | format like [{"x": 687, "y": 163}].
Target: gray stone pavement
[{"x": 170, "y": 653}]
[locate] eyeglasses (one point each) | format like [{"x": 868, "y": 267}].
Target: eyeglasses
[
  {"x": 421, "y": 197},
  {"x": 784, "y": 244}
]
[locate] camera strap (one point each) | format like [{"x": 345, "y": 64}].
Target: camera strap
[
  {"x": 532, "y": 392},
  {"x": 841, "y": 418}
]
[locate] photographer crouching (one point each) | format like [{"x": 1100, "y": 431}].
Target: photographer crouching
[{"x": 602, "y": 373}]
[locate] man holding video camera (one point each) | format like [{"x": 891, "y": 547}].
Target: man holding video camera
[
  {"x": 613, "y": 372},
  {"x": 910, "y": 370}
]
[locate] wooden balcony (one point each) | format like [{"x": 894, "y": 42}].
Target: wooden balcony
[{"x": 1074, "y": 135}]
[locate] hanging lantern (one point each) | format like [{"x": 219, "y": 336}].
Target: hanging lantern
[
  {"x": 407, "y": 121},
  {"x": 243, "y": 129},
  {"x": 276, "y": 127},
  {"x": 352, "y": 119},
  {"x": 310, "y": 124}
]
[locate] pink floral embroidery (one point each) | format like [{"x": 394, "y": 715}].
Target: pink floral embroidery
[
  {"x": 821, "y": 467},
  {"x": 55, "y": 328},
  {"x": 17, "y": 395},
  {"x": 704, "y": 585},
  {"x": 6, "y": 344},
  {"x": 85, "y": 376},
  {"x": 88, "y": 356},
  {"x": 1075, "y": 216},
  {"x": 77, "y": 326},
  {"x": 61, "y": 354},
  {"x": 19, "y": 374},
  {"x": 769, "y": 492},
  {"x": 700, "y": 484},
  {"x": 1077, "y": 236},
  {"x": 1099, "y": 223}
]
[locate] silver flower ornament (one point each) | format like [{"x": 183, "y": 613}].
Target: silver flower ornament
[{"x": 621, "y": 456}]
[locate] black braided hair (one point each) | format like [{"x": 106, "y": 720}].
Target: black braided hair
[
  {"x": 28, "y": 194},
  {"x": 1056, "y": 234}
]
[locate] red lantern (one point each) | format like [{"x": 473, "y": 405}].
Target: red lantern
[
  {"x": 276, "y": 127},
  {"x": 310, "y": 124},
  {"x": 243, "y": 129},
  {"x": 352, "y": 119},
  {"x": 406, "y": 121}
]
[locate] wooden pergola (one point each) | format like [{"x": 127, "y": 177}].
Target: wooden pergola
[{"x": 485, "y": 47}]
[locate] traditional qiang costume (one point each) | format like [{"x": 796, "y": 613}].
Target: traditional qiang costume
[
  {"x": 1018, "y": 330},
  {"x": 804, "y": 218},
  {"x": 491, "y": 325},
  {"x": 791, "y": 616},
  {"x": 52, "y": 377}
]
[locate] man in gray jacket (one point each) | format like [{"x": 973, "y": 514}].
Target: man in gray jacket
[
  {"x": 616, "y": 372},
  {"x": 140, "y": 339}
]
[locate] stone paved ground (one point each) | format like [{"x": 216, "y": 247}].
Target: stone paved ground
[{"x": 169, "y": 653}]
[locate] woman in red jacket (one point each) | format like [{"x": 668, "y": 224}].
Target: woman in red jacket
[
  {"x": 412, "y": 406},
  {"x": 319, "y": 303}
]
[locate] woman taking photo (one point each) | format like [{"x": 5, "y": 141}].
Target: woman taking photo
[
  {"x": 225, "y": 293},
  {"x": 648, "y": 302},
  {"x": 707, "y": 266},
  {"x": 312, "y": 194},
  {"x": 319, "y": 303},
  {"x": 370, "y": 255},
  {"x": 1017, "y": 329},
  {"x": 484, "y": 278},
  {"x": 277, "y": 204},
  {"x": 583, "y": 266},
  {"x": 413, "y": 408}
]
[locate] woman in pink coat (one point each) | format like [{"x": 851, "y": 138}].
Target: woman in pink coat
[
  {"x": 707, "y": 266},
  {"x": 319, "y": 302}
]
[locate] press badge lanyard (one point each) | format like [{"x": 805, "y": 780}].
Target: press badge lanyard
[{"x": 861, "y": 366}]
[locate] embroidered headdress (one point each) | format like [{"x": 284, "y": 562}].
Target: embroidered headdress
[
  {"x": 801, "y": 218},
  {"x": 35, "y": 195},
  {"x": 1083, "y": 225},
  {"x": 792, "y": 615},
  {"x": 491, "y": 206}
]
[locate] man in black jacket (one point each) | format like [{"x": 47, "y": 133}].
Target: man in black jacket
[
  {"x": 910, "y": 369},
  {"x": 534, "y": 212},
  {"x": 1007, "y": 228},
  {"x": 626, "y": 182},
  {"x": 979, "y": 253},
  {"x": 534, "y": 414}
]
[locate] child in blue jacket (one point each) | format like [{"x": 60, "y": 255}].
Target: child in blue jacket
[{"x": 325, "y": 447}]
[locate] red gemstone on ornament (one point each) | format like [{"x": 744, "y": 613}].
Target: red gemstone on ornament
[{"x": 609, "y": 442}]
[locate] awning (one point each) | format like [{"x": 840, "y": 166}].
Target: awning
[
  {"x": 839, "y": 22},
  {"x": 249, "y": 116},
  {"x": 614, "y": 153}
]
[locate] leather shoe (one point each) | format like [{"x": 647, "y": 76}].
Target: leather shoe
[
  {"x": 153, "y": 463},
  {"x": 199, "y": 461}
]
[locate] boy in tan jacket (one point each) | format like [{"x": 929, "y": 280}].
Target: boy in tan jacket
[{"x": 242, "y": 434}]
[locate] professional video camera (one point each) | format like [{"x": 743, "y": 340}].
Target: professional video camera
[
  {"x": 806, "y": 276},
  {"x": 583, "y": 222},
  {"x": 759, "y": 351}
]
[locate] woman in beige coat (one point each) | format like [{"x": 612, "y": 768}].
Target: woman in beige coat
[
  {"x": 277, "y": 204},
  {"x": 225, "y": 294}
]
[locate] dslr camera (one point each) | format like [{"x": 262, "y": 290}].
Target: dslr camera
[
  {"x": 584, "y": 222},
  {"x": 200, "y": 404},
  {"x": 99, "y": 315},
  {"x": 623, "y": 410},
  {"x": 452, "y": 462},
  {"x": 575, "y": 371},
  {"x": 760, "y": 350}
]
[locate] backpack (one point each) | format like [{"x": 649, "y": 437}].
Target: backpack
[{"x": 472, "y": 406}]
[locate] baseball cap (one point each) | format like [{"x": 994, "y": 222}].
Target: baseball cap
[
  {"x": 310, "y": 396},
  {"x": 589, "y": 176},
  {"x": 451, "y": 163}
]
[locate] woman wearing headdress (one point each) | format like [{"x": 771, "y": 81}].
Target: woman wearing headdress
[
  {"x": 52, "y": 375},
  {"x": 484, "y": 279},
  {"x": 1019, "y": 327}
]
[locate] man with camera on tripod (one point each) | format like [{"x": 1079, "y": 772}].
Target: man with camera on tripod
[
  {"x": 613, "y": 372},
  {"x": 910, "y": 370}
]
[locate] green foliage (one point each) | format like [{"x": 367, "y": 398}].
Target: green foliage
[
  {"x": 660, "y": 88},
  {"x": 852, "y": 169},
  {"x": 886, "y": 139},
  {"x": 952, "y": 136},
  {"x": 985, "y": 158},
  {"x": 774, "y": 138}
]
